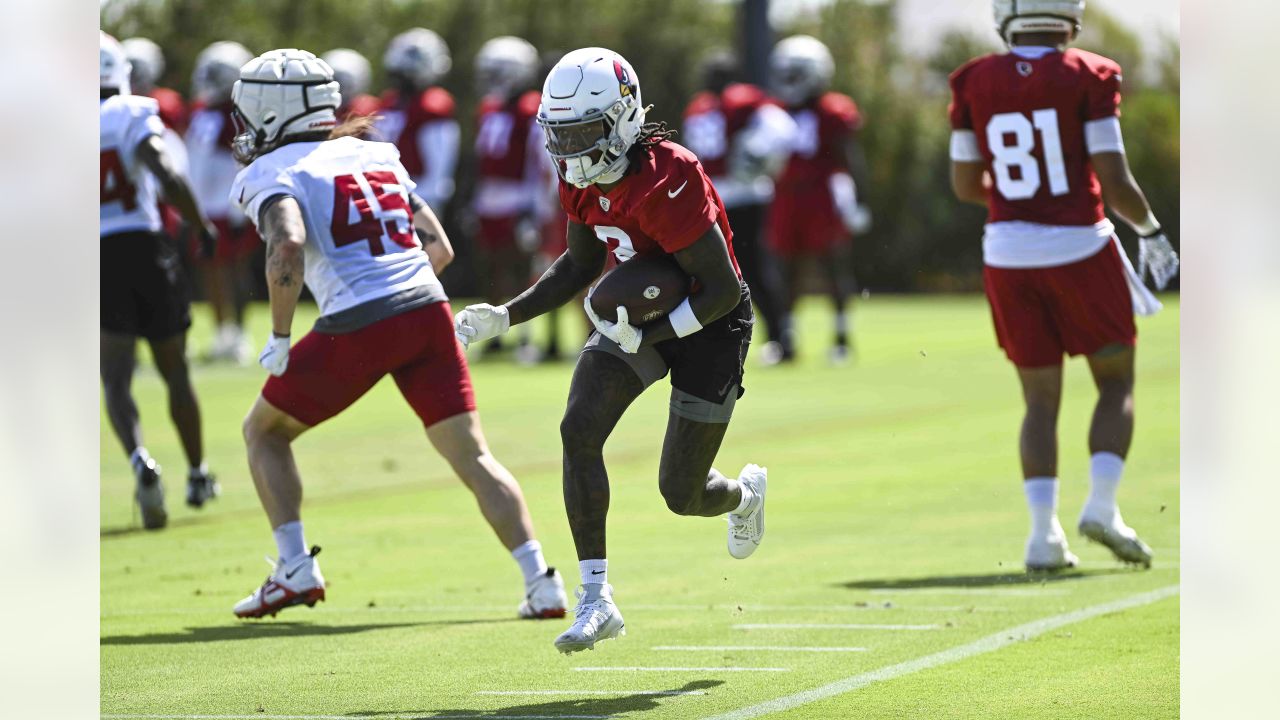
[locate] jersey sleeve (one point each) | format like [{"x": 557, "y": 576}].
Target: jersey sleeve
[
  {"x": 388, "y": 154},
  {"x": 681, "y": 208},
  {"x": 257, "y": 184},
  {"x": 1103, "y": 93},
  {"x": 144, "y": 121},
  {"x": 958, "y": 110}
]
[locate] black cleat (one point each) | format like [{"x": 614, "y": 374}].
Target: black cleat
[{"x": 202, "y": 487}]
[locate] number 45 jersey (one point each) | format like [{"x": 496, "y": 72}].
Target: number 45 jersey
[
  {"x": 363, "y": 259},
  {"x": 1033, "y": 116}
]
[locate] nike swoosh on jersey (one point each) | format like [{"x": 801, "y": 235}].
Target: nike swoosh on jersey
[{"x": 676, "y": 192}]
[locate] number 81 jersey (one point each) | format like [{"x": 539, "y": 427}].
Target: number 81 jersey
[
  {"x": 1027, "y": 116},
  {"x": 354, "y": 196}
]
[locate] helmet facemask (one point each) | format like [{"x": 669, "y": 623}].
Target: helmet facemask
[{"x": 573, "y": 143}]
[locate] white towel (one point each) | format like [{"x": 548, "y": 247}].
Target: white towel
[{"x": 1145, "y": 302}]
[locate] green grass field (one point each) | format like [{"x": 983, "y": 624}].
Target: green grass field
[{"x": 894, "y": 503}]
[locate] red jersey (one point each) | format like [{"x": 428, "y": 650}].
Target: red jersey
[
  {"x": 401, "y": 125},
  {"x": 173, "y": 111},
  {"x": 822, "y": 126},
  {"x": 1028, "y": 116},
  {"x": 712, "y": 123},
  {"x": 362, "y": 105},
  {"x": 664, "y": 203},
  {"x": 502, "y": 139}
]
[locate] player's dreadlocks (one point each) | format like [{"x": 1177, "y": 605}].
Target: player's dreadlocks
[{"x": 653, "y": 133}]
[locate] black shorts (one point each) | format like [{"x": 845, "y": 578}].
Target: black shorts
[
  {"x": 144, "y": 292},
  {"x": 706, "y": 367}
]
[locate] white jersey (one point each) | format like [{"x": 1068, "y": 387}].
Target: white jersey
[
  {"x": 369, "y": 249},
  {"x": 211, "y": 166},
  {"x": 128, "y": 192}
]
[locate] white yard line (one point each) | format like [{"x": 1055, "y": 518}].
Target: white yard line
[
  {"x": 831, "y": 626},
  {"x": 591, "y": 692},
  {"x": 680, "y": 669},
  {"x": 990, "y": 643},
  {"x": 754, "y": 648}
]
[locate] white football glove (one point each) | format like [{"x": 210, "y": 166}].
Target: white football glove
[
  {"x": 274, "y": 358},
  {"x": 1158, "y": 256},
  {"x": 622, "y": 332},
  {"x": 477, "y": 323}
]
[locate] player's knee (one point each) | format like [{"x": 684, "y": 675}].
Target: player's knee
[
  {"x": 256, "y": 428},
  {"x": 682, "y": 500},
  {"x": 577, "y": 434}
]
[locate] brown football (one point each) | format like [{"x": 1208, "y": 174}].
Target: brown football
[{"x": 648, "y": 286}]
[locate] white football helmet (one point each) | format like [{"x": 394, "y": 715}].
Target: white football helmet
[
  {"x": 282, "y": 93},
  {"x": 147, "y": 61},
  {"x": 1023, "y": 16},
  {"x": 217, "y": 68},
  {"x": 591, "y": 106},
  {"x": 506, "y": 65},
  {"x": 418, "y": 55},
  {"x": 800, "y": 67},
  {"x": 350, "y": 69},
  {"x": 113, "y": 65}
]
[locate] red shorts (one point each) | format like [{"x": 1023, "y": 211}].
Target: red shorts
[
  {"x": 1078, "y": 309},
  {"x": 232, "y": 244},
  {"x": 417, "y": 348},
  {"x": 802, "y": 224},
  {"x": 497, "y": 233}
]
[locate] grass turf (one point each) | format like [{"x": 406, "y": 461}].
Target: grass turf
[{"x": 894, "y": 499}]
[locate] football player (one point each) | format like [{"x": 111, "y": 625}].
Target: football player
[
  {"x": 226, "y": 276},
  {"x": 511, "y": 172},
  {"x": 417, "y": 115},
  {"x": 143, "y": 291},
  {"x": 628, "y": 190},
  {"x": 1036, "y": 139},
  {"x": 340, "y": 214},
  {"x": 351, "y": 70},
  {"x": 743, "y": 139},
  {"x": 820, "y": 202}
]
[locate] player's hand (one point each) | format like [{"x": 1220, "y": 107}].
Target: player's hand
[
  {"x": 528, "y": 236},
  {"x": 1157, "y": 255},
  {"x": 274, "y": 358},
  {"x": 622, "y": 332},
  {"x": 477, "y": 323},
  {"x": 207, "y": 234}
]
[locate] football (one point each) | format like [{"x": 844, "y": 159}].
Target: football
[{"x": 648, "y": 286}]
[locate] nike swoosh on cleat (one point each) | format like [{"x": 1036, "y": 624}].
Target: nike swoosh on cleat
[{"x": 676, "y": 192}]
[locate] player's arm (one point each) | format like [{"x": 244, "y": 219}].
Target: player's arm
[
  {"x": 970, "y": 181},
  {"x": 855, "y": 159},
  {"x": 1121, "y": 193},
  {"x": 707, "y": 261},
  {"x": 285, "y": 233},
  {"x": 431, "y": 234},
  {"x": 573, "y": 271},
  {"x": 177, "y": 191}
]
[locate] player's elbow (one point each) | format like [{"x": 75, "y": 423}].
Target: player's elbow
[{"x": 722, "y": 296}]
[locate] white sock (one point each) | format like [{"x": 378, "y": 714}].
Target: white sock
[
  {"x": 1042, "y": 501},
  {"x": 1105, "y": 470},
  {"x": 139, "y": 457},
  {"x": 594, "y": 572},
  {"x": 748, "y": 497},
  {"x": 529, "y": 557},
  {"x": 289, "y": 541},
  {"x": 201, "y": 469},
  {"x": 842, "y": 324}
]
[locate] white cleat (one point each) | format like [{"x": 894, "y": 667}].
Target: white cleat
[
  {"x": 747, "y": 530},
  {"x": 149, "y": 494},
  {"x": 1050, "y": 554},
  {"x": 1119, "y": 538},
  {"x": 596, "y": 619},
  {"x": 297, "y": 583},
  {"x": 544, "y": 597}
]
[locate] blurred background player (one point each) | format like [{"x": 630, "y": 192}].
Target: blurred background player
[
  {"x": 226, "y": 277},
  {"x": 352, "y": 72},
  {"x": 743, "y": 140},
  {"x": 511, "y": 174},
  {"x": 1036, "y": 138},
  {"x": 339, "y": 213},
  {"x": 143, "y": 291},
  {"x": 147, "y": 63},
  {"x": 628, "y": 191},
  {"x": 417, "y": 116},
  {"x": 817, "y": 206}
]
